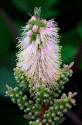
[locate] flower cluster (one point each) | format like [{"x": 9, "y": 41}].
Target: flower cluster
[{"x": 39, "y": 68}]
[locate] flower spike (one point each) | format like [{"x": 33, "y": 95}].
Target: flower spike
[
  {"x": 39, "y": 68},
  {"x": 39, "y": 56}
]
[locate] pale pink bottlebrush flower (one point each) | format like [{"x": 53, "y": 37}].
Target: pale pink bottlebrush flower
[
  {"x": 39, "y": 58},
  {"x": 24, "y": 43}
]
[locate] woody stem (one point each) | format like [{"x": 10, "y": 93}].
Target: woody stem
[{"x": 43, "y": 112}]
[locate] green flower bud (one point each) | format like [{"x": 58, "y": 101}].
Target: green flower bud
[
  {"x": 73, "y": 101},
  {"x": 21, "y": 107},
  {"x": 68, "y": 105},
  {"x": 44, "y": 120},
  {"x": 66, "y": 73},
  {"x": 30, "y": 113},
  {"x": 18, "y": 100},
  {"x": 36, "y": 113},
  {"x": 16, "y": 88},
  {"x": 30, "y": 102},
  {"x": 45, "y": 101},
  {"x": 56, "y": 118},
  {"x": 19, "y": 104},
  {"x": 65, "y": 100},
  {"x": 46, "y": 90},
  {"x": 33, "y": 107},
  {"x": 65, "y": 110},
  {"x": 47, "y": 114},
  {"x": 59, "y": 113},
  {"x": 53, "y": 123},
  {"x": 50, "y": 121},
  {"x": 25, "y": 98},
  {"x": 26, "y": 104},
  {"x": 17, "y": 95},
  {"x": 11, "y": 95},
  {"x": 46, "y": 95},
  {"x": 51, "y": 103},
  {"x": 62, "y": 87},
  {"x": 59, "y": 91},
  {"x": 53, "y": 115},
  {"x": 13, "y": 100},
  {"x": 56, "y": 107},
  {"x": 28, "y": 109},
  {"x": 20, "y": 93},
  {"x": 62, "y": 76},
  {"x": 51, "y": 108},
  {"x": 61, "y": 107},
  {"x": 33, "y": 116},
  {"x": 56, "y": 95}
]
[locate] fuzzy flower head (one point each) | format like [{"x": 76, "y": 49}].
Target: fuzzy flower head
[{"x": 39, "y": 55}]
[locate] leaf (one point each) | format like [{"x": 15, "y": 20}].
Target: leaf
[
  {"x": 9, "y": 60},
  {"x": 49, "y": 13},
  {"x": 70, "y": 42},
  {"x": 50, "y": 3},
  {"x": 26, "y": 116},
  {"x": 22, "y": 5},
  {"x": 68, "y": 52},
  {"x": 6, "y": 77},
  {"x": 19, "y": 24},
  {"x": 59, "y": 121},
  {"x": 6, "y": 38},
  {"x": 79, "y": 30}
]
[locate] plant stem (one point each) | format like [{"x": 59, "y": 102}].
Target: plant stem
[{"x": 43, "y": 112}]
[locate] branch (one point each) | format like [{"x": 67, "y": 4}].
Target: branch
[
  {"x": 77, "y": 58},
  {"x": 74, "y": 117},
  {"x": 26, "y": 116},
  {"x": 9, "y": 22}
]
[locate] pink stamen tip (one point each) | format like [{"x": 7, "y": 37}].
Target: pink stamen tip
[
  {"x": 48, "y": 23},
  {"x": 70, "y": 97},
  {"x": 42, "y": 29},
  {"x": 34, "y": 28},
  {"x": 33, "y": 18},
  {"x": 71, "y": 64},
  {"x": 26, "y": 27},
  {"x": 44, "y": 21},
  {"x": 30, "y": 33}
]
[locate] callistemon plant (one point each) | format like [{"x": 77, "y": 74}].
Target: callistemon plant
[{"x": 39, "y": 69}]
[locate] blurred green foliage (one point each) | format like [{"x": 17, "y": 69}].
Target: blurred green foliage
[
  {"x": 5, "y": 38},
  {"x": 70, "y": 42},
  {"x": 12, "y": 116},
  {"x": 28, "y": 6},
  {"x": 66, "y": 12}
]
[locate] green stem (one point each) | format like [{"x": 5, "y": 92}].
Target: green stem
[{"x": 37, "y": 12}]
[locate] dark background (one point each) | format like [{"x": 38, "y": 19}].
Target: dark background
[{"x": 13, "y": 15}]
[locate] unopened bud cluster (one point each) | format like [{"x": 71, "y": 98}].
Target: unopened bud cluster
[
  {"x": 45, "y": 99},
  {"x": 21, "y": 79}
]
